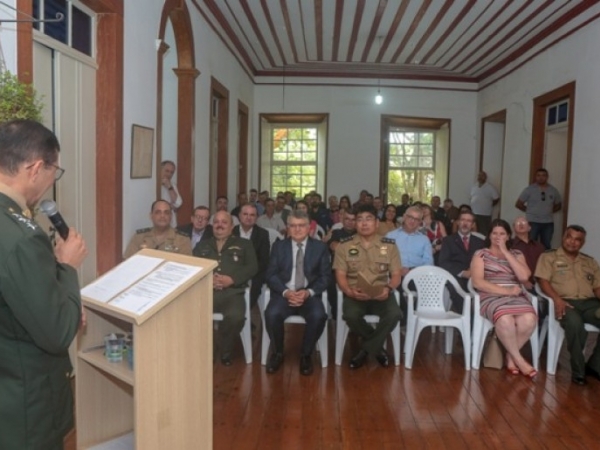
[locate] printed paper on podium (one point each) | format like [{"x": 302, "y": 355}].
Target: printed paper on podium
[{"x": 365, "y": 282}]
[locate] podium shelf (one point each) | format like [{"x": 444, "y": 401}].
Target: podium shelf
[{"x": 119, "y": 370}]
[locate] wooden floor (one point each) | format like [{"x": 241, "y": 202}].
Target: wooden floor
[{"x": 435, "y": 405}]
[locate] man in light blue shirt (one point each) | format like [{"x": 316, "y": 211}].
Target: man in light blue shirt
[{"x": 414, "y": 247}]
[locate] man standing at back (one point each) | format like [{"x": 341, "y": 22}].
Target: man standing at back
[
  {"x": 169, "y": 192},
  {"x": 540, "y": 201},
  {"x": 40, "y": 304},
  {"x": 484, "y": 197}
]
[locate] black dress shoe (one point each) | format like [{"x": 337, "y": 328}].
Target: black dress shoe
[
  {"x": 383, "y": 358},
  {"x": 226, "y": 359},
  {"x": 359, "y": 360},
  {"x": 275, "y": 362},
  {"x": 306, "y": 366},
  {"x": 580, "y": 381},
  {"x": 592, "y": 372}
]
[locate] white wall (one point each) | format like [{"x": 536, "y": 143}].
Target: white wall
[
  {"x": 8, "y": 35},
  {"x": 577, "y": 58},
  {"x": 139, "y": 102},
  {"x": 355, "y": 126}
]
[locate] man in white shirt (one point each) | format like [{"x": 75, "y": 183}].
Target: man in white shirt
[
  {"x": 169, "y": 192},
  {"x": 484, "y": 197},
  {"x": 271, "y": 220}
]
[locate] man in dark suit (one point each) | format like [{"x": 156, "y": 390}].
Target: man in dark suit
[
  {"x": 198, "y": 229},
  {"x": 298, "y": 273},
  {"x": 456, "y": 254},
  {"x": 261, "y": 243}
]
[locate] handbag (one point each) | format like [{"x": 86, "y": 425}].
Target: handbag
[{"x": 493, "y": 353}]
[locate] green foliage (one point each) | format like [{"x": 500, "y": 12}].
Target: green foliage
[{"x": 18, "y": 100}]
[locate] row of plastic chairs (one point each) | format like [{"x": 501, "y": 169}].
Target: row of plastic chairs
[{"x": 427, "y": 307}]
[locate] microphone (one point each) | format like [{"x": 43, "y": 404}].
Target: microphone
[{"x": 49, "y": 208}]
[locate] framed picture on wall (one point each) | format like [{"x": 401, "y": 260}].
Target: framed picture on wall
[{"x": 142, "y": 150}]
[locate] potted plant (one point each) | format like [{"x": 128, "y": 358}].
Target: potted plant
[{"x": 18, "y": 100}]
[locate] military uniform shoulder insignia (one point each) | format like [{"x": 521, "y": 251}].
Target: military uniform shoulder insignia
[
  {"x": 346, "y": 239},
  {"x": 143, "y": 230},
  {"x": 387, "y": 240},
  {"x": 23, "y": 219},
  {"x": 586, "y": 255}
]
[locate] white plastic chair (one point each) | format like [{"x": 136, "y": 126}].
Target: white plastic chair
[
  {"x": 482, "y": 326},
  {"x": 430, "y": 282},
  {"x": 246, "y": 333},
  {"x": 322, "y": 343},
  {"x": 556, "y": 334},
  {"x": 273, "y": 235},
  {"x": 341, "y": 331}
]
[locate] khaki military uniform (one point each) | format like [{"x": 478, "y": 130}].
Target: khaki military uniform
[
  {"x": 574, "y": 280},
  {"x": 375, "y": 263},
  {"x": 40, "y": 309},
  {"x": 237, "y": 259},
  {"x": 176, "y": 242}
]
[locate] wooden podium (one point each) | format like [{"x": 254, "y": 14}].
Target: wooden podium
[{"x": 165, "y": 401}]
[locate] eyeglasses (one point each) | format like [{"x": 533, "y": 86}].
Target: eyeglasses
[
  {"x": 297, "y": 225},
  {"x": 57, "y": 175},
  {"x": 408, "y": 216},
  {"x": 59, "y": 172}
]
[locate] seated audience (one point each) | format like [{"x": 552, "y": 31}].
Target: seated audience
[
  {"x": 532, "y": 250},
  {"x": 402, "y": 207},
  {"x": 242, "y": 199},
  {"x": 451, "y": 212},
  {"x": 497, "y": 273},
  {"x": 237, "y": 265},
  {"x": 456, "y": 253},
  {"x": 260, "y": 209},
  {"x": 161, "y": 236},
  {"x": 378, "y": 204},
  {"x": 375, "y": 259},
  {"x": 434, "y": 230},
  {"x": 313, "y": 229},
  {"x": 362, "y": 198},
  {"x": 414, "y": 247},
  {"x": 198, "y": 229},
  {"x": 572, "y": 280},
  {"x": 269, "y": 219},
  {"x": 345, "y": 202},
  {"x": 247, "y": 229},
  {"x": 281, "y": 208},
  {"x": 319, "y": 212},
  {"x": 334, "y": 209},
  {"x": 299, "y": 271},
  {"x": 388, "y": 222},
  {"x": 222, "y": 204},
  {"x": 461, "y": 209}
]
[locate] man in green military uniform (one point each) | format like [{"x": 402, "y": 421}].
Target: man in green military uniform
[
  {"x": 367, "y": 270},
  {"x": 162, "y": 236},
  {"x": 572, "y": 280},
  {"x": 40, "y": 305},
  {"x": 237, "y": 265}
]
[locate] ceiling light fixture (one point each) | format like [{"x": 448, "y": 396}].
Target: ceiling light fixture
[{"x": 379, "y": 97}]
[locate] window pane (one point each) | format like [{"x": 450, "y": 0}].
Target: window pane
[
  {"x": 36, "y": 13},
  {"x": 563, "y": 109},
  {"x": 81, "y": 31},
  {"x": 56, "y": 30}
]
